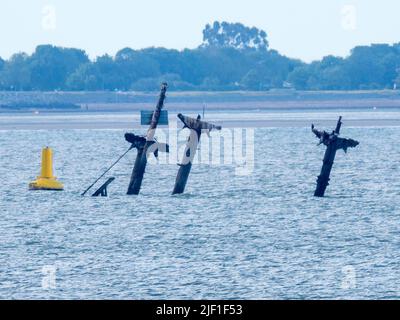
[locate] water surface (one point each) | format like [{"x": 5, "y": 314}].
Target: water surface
[{"x": 260, "y": 236}]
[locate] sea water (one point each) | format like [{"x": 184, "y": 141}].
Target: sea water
[{"x": 257, "y": 236}]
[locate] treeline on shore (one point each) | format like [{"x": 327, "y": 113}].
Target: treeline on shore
[{"x": 231, "y": 57}]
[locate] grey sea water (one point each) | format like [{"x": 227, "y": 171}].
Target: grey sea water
[{"x": 261, "y": 236}]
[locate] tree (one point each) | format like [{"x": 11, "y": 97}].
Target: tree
[
  {"x": 51, "y": 66},
  {"x": 227, "y": 65},
  {"x": 271, "y": 71},
  {"x": 84, "y": 78},
  {"x": 150, "y": 84},
  {"x": 373, "y": 66},
  {"x": 397, "y": 80},
  {"x": 391, "y": 63},
  {"x": 328, "y": 74},
  {"x": 99, "y": 75},
  {"x": 299, "y": 77},
  {"x": 234, "y": 35},
  {"x": 231, "y": 57},
  {"x": 134, "y": 65},
  {"x": 2, "y": 63},
  {"x": 16, "y": 74}
]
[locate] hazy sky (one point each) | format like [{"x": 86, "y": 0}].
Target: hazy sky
[{"x": 306, "y": 29}]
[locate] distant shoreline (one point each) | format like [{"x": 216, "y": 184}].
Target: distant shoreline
[
  {"x": 103, "y": 101},
  {"x": 227, "y": 119}
]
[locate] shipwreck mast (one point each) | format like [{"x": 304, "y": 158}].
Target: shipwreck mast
[
  {"x": 144, "y": 145},
  {"x": 333, "y": 144},
  {"x": 196, "y": 128}
]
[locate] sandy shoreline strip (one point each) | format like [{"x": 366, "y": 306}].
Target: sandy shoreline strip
[{"x": 76, "y": 125}]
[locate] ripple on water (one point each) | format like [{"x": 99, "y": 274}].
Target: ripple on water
[{"x": 258, "y": 237}]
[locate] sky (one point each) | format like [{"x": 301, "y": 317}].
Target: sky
[{"x": 306, "y": 29}]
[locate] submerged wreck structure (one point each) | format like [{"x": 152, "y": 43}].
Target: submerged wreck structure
[
  {"x": 333, "y": 144},
  {"x": 146, "y": 145},
  {"x": 196, "y": 127}
]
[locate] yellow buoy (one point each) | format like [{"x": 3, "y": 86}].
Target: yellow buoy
[{"x": 46, "y": 181}]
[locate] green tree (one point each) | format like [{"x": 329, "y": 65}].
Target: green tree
[
  {"x": 371, "y": 67},
  {"x": 271, "y": 71},
  {"x": 231, "y": 57},
  {"x": 2, "y": 63},
  {"x": 134, "y": 65},
  {"x": 299, "y": 77},
  {"x": 16, "y": 74},
  {"x": 397, "y": 79},
  {"x": 234, "y": 35},
  {"x": 99, "y": 75},
  {"x": 51, "y": 66},
  {"x": 150, "y": 84},
  {"x": 328, "y": 74},
  {"x": 84, "y": 78}
]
